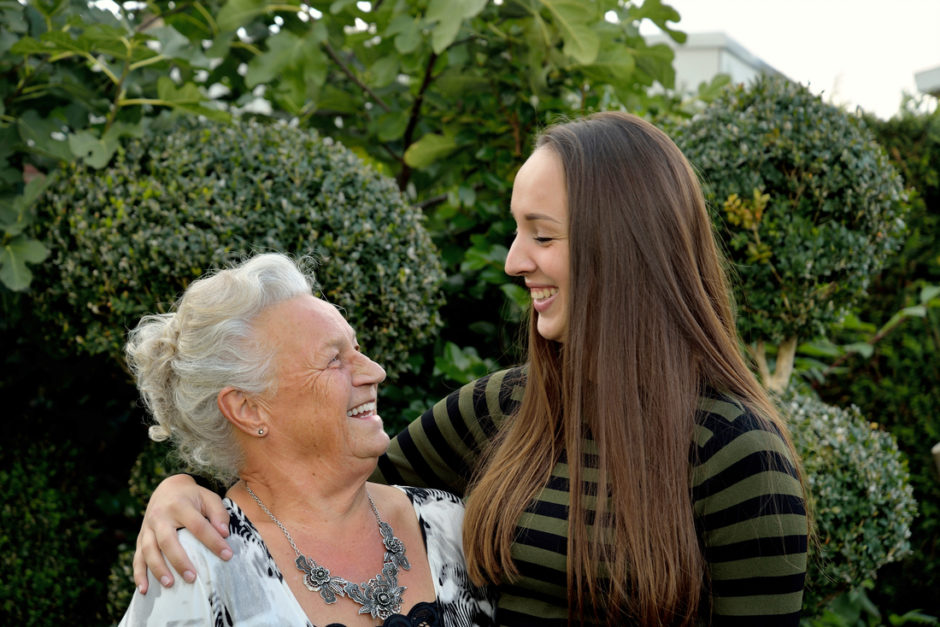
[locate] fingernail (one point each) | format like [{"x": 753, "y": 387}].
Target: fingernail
[
  {"x": 189, "y": 576},
  {"x": 141, "y": 590},
  {"x": 223, "y": 528},
  {"x": 226, "y": 554},
  {"x": 165, "y": 580}
]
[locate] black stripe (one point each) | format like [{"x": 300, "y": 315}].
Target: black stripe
[
  {"x": 508, "y": 618},
  {"x": 763, "y": 505},
  {"x": 764, "y": 620},
  {"x": 748, "y": 466},
  {"x": 753, "y": 586},
  {"x": 758, "y": 547},
  {"x": 542, "y": 540}
]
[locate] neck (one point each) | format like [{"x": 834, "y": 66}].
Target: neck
[{"x": 303, "y": 494}]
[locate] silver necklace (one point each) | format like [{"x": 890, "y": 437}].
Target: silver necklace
[{"x": 379, "y": 596}]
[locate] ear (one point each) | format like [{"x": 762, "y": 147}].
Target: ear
[{"x": 242, "y": 410}]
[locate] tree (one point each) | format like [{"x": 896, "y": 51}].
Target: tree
[{"x": 807, "y": 204}]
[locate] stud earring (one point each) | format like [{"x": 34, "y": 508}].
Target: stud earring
[{"x": 261, "y": 431}]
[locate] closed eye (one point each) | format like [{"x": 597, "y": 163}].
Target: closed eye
[{"x": 543, "y": 240}]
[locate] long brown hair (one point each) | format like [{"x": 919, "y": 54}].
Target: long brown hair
[{"x": 650, "y": 326}]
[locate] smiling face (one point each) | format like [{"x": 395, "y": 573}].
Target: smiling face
[
  {"x": 539, "y": 252},
  {"x": 325, "y": 398}
]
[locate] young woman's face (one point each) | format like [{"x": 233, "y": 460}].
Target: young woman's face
[{"x": 539, "y": 252}]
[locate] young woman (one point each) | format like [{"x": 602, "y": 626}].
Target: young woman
[{"x": 634, "y": 470}]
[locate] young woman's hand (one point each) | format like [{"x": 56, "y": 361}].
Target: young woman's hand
[{"x": 178, "y": 502}]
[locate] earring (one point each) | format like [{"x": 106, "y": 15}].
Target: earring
[{"x": 261, "y": 431}]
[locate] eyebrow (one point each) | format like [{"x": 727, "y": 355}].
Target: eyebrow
[{"x": 532, "y": 217}]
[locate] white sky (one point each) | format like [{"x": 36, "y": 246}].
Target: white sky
[{"x": 853, "y": 52}]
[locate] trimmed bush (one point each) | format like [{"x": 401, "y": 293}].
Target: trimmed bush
[
  {"x": 154, "y": 464},
  {"x": 178, "y": 202},
  {"x": 46, "y": 536},
  {"x": 860, "y": 494},
  {"x": 806, "y": 203}
]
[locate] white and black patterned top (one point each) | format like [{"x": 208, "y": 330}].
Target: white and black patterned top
[{"x": 249, "y": 590}]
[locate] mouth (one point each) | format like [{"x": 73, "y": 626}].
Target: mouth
[
  {"x": 361, "y": 411},
  {"x": 542, "y": 293}
]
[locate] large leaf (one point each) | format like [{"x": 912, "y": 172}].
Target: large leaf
[
  {"x": 429, "y": 149},
  {"x": 285, "y": 50},
  {"x": 14, "y": 256},
  {"x": 37, "y": 132},
  {"x": 572, "y": 19},
  {"x": 449, "y": 14},
  {"x": 237, "y": 13},
  {"x": 16, "y": 214}
]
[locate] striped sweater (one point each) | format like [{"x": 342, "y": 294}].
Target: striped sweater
[{"x": 748, "y": 504}]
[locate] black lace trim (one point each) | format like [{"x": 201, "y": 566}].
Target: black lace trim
[{"x": 423, "y": 614}]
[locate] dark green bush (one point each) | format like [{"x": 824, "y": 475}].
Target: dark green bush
[
  {"x": 46, "y": 536},
  {"x": 127, "y": 239},
  {"x": 154, "y": 464},
  {"x": 898, "y": 385},
  {"x": 860, "y": 494},
  {"x": 806, "y": 203}
]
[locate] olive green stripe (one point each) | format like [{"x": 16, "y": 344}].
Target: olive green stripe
[
  {"x": 769, "y": 604},
  {"x": 770, "y": 526},
  {"x": 741, "y": 447},
  {"x": 547, "y": 524},
  {"x": 767, "y": 566},
  {"x": 429, "y": 452},
  {"x": 534, "y": 607},
  {"x": 729, "y": 411},
  {"x": 492, "y": 397},
  {"x": 768, "y": 482},
  {"x": 701, "y": 435},
  {"x": 540, "y": 556},
  {"x": 562, "y": 470}
]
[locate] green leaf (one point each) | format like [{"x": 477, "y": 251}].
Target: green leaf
[
  {"x": 449, "y": 15},
  {"x": 37, "y": 132},
  {"x": 928, "y": 293},
  {"x": 173, "y": 45},
  {"x": 285, "y": 50},
  {"x": 173, "y": 95},
  {"x": 17, "y": 215},
  {"x": 407, "y": 33},
  {"x": 862, "y": 348},
  {"x": 93, "y": 150},
  {"x": 429, "y": 149},
  {"x": 391, "y": 126},
  {"x": 13, "y": 259},
  {"x": 237, "y": 13},
  {"x": 383, "y": 71},
  {"x": 581, "y": 42}
]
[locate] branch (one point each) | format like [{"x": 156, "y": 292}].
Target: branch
[
  {"x": 407, "y": 138},
  {"x": 348, "y": 72}
]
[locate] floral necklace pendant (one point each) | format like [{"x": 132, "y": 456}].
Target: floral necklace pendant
[{"x": 380, "y": 596}]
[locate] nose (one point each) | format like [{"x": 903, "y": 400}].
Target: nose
[
  {"x": 518, "y": 261},
  {"x": 368, "y": 372}
]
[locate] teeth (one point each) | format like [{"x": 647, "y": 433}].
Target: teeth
[
  {"x": 542, "y": 293},
  {"x": 361, "y": 409}
]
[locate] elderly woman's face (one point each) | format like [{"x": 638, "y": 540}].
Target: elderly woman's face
[{"x": 325, "y": 398}]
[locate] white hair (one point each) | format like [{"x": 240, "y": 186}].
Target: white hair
[{"x": 181, "y": 360}]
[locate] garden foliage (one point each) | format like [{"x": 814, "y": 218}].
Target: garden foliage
[
  {"x": 860, "y": 495},
  {"x": 896, "y": 383},
  {"x": 806, "y": 203},
  {"x": 174, "y": 204}
]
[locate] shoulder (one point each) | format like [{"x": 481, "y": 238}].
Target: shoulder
[
  {"x": 726, "y": 429},
  {"x": 440, "y": 515}
]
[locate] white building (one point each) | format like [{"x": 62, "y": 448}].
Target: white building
[
  {"x": 928, "y": 82},
  {"x": 705, "y": 55}
]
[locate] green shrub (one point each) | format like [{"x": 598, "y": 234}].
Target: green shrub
[
  {"x": 859, "y": 491},
  {"x": 897, "y": 386},
  {"x": 46, "y": 536},
  {"x": 805, "y": 201},
  {"x": 155, "y": 463},
  {"x": 178, "y": 202}
]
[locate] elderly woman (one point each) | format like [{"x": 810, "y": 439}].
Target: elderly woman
[{"x": 263, "y": 386}]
